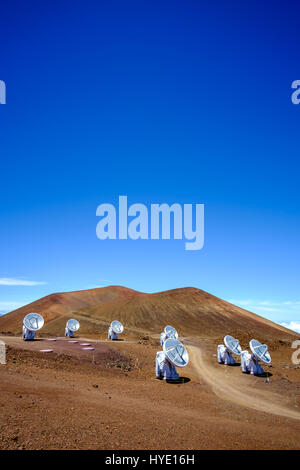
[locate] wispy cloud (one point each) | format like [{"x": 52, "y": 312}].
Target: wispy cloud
[
  {"x": 11, "y": 281},
  {"x": 243, "y": 303},
  {"x": 6, "y": 307},
  {"x": 285, "y": 313},
  {"x": 293, "y": 325},
  {"x": 267, "y": 305},
  {"x": 262, "y": 308}
]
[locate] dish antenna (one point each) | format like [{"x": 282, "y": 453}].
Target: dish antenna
[
  {"x": 176, "y": 352},
  {"x": 250, "y": 362},
  {"x": 224, "y": 353},
  {"x": 174, "y": 355},
  {"x": 31, "y": 323},
  {"x": 233, "y": 345},
  {"x": 115, "y": 329},
  {"x": 260, "y": 351},
  {"x": 71, "y": 326},
  {"x": 171, "y": 332}
]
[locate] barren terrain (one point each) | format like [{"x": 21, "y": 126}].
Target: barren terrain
[{"x": 108, "y": 397}]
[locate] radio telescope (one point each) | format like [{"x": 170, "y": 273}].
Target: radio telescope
[
  {"x": 250, "y": 362},
  {"x": 115, "y": 329},
  {"x": 174, "y": 355},
  {"x": 224, "y": 353},
  {"x": 169, "y": 332},
  {"x": 31, "y": 323},
  {"x": 71, "y": 326}
]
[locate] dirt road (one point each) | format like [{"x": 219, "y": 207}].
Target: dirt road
[
  {"x": 68, "y": 400},
  {"x": 227, "y": 387}
]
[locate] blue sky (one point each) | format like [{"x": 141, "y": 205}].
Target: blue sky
[{"x": 162, "y": 102}]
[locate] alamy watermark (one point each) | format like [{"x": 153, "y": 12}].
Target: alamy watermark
[
  {"x": 2, "y": 92},
  {"x": 2, "y": 353},
  {"x": 296, "y": 94},
  {"x": 296, "y": 354},
  {"x": 188, "y": 222}
]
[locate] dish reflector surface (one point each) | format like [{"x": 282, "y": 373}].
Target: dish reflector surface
[
  {"x": 33, "y": 321},
  {"x": 176, "y": 352},
  {"x": 260, "y": 351},
  {"x": 73, "y": 325},
  {"x": 233, "y": 345},
  {"x": 171, "y": 332},
  {"x": 117, "y": 327}
]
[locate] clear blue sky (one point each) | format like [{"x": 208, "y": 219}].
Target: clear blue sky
[{"x": 165, "y": 101}]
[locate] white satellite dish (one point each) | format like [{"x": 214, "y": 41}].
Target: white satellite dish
[
  {"x": 171, "y": 332},
  {"x": 33, "y": 321},
  {"x": 176, "y": 352},
  {"x": 117, "y": 327},
  {"x": 260, "y": 351},
  {"x": 73, "y": 325},
  {"x": 233, "y": 345}
]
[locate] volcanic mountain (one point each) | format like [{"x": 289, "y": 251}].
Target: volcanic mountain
[{"x": 193, "y": 312}]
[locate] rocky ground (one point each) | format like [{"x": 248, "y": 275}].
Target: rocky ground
[{"x": 109, "y": 398}]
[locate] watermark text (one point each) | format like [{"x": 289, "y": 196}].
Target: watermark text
[
  {"x": 296, "y": 94},
  {"x": 164, "y": 222},
  {"x": 2, "y": 92},
  {"x": 2, "y": 353},
  {"x": 296, "y": 354}
]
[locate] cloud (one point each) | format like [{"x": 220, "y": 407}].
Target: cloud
[
  {"x": 287, "y": 303},
  {"x": 10, "y": 281},
  {"x": 266, "y": 309},
  {"x": 293, "y": 325},
  {"x": 6, "y": 307},
  {"x": 244, "y": 303},
  {"x": 287, "y": 311},
  {"x": 267, "y": 305}
]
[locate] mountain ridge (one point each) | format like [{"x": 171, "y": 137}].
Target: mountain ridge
[{"x": 192, "y": 311}]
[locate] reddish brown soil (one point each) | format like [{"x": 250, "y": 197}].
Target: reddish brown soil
[
  {"x": 191, "y": 311},
  {"x": 70, "y": 400},
  {"x": 109, "y": 398}
]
